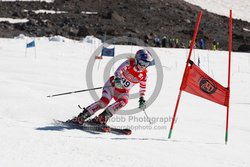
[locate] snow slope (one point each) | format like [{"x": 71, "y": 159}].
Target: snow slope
[
  {"x": 28, "y": 137},
  {"x": 240, "y": 8}
]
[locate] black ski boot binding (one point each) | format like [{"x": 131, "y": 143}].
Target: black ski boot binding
[
  {"x": 102, "y": 120},
  {"x": 80, "y": 119}
]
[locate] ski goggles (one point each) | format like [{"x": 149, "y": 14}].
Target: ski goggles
[{"x": 143, "y": 63}]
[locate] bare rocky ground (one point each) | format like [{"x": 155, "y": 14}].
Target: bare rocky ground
[{"x": 136, "y": 18}]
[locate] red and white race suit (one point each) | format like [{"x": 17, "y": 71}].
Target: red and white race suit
[{"x": 130, "y": 75}]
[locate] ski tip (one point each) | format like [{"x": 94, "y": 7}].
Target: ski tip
[{"x": 127, "y": 131}]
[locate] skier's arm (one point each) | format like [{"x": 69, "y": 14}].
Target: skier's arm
[
  {"x": 142, "y": 101},
  {"x": 143, "y": 84},
  {"x": 118, "y": 73},
  {"x": 120, "y": 69}
]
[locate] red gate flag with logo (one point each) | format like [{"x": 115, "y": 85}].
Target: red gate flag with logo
[{"x": 198, "y": 83}]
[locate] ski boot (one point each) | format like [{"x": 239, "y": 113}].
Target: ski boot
[
  {"x": 101, "y": 120},
  {"x": 80, "y": 119}
]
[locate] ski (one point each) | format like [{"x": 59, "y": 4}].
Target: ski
[
  {"x": 70, "y": 126},
  {"x": 93, "y": 128},
  {"x": 109, "y": 129},
  {"x": 121, "y": 131}
]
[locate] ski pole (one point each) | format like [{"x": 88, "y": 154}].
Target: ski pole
[
  {"x": 84, "y": 90},
  {"x": 147, "y": 116}
]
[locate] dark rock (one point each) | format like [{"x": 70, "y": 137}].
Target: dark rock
[
  {"x": 244, "y": 48},
  {"x": 143, "y": 19},
  {"x": 117, "y": 17}
]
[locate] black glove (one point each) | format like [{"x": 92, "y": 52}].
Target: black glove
[{"x": 142, "y": 103}]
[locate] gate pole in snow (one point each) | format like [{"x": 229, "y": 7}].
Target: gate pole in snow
[
  {"x": 229, "y": 71},
  {"x": 190, "y": 52}
]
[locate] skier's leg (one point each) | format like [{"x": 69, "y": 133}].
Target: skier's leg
[
  {"x": 102, "y": 103},
  {"x": 112, "y": 109},
  {"x": 91, "y": 109}
]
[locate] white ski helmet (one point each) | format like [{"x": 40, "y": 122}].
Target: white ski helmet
[{"x": 143, "y": 58}]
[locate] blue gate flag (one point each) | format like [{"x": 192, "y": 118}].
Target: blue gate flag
[
  {"x": 31, "y": 44},
  {"x": 110, "y": 52}
]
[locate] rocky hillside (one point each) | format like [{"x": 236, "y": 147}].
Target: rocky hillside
[{"x": 137, "y": 18}]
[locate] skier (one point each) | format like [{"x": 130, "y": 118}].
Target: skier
[{"x": 129, "y": 73}]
